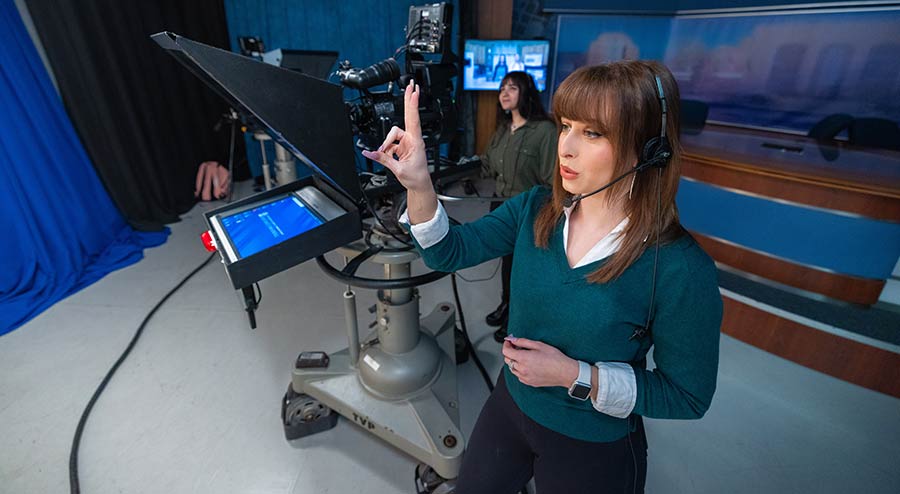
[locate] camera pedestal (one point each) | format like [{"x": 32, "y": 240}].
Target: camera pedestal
[{"x": 401, "y": 384}]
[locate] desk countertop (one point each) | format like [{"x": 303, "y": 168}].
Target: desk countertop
[{"x": 797, "y": 156}]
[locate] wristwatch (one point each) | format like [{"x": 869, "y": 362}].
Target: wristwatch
[{"x": 581, "y": 388}]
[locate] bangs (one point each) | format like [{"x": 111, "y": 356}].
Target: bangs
[{"x": 585, "y": 96}]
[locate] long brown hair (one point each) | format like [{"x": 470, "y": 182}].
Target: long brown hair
[
  {"x": 621, "y": 101},
  {"x": 530, "y": 106}
]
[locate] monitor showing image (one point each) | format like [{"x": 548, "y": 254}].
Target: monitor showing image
[{"x": 487, "y": 61}]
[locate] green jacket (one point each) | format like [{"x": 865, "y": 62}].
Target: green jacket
[
  {"x": 521, "y": 159},
  {"x": 554, "y": 303}
]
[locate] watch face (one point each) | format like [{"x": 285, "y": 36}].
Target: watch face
[{"x": 581, "y": 392}]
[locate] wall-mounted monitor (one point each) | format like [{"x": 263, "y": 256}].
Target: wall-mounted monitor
[{"x": 487, "y": 61}]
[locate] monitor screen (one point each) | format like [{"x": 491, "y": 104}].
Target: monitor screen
[
  {"x": 264, "y": 225},
  {"x": 487, "y": 61}
]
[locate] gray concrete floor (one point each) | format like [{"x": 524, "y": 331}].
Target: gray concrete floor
[{"x": 196, "y": 406}]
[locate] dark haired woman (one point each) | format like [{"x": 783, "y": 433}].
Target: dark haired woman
[
  {"x": 581, "y": 292},
  {"x": 520, "y": 155}
]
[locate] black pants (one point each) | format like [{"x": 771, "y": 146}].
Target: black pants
[
  {"x": 505, "y": 267},
  {"x": 507, "y": 448}
]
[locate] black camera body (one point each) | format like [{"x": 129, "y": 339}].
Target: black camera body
[{"x": 429, "y": 62}]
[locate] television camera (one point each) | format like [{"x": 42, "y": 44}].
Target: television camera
[
  {"x": 399, "y": 381},
  {"x": 429, "y": 61}
]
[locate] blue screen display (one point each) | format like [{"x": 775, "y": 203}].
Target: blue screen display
[
  {"x": 488, "y": 61},
  {"x": 269, "y": 224}
]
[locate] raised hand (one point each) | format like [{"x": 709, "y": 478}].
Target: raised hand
[{"x": 410, "y": 165}]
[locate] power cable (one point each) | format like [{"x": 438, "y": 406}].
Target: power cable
[
  {"x": 74, "y": 486},
  {"x": 465, "y": 332},
  {"x": 478, "y": 280}
]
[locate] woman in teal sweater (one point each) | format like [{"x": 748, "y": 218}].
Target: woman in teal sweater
[{"x": 598, "y": 279}]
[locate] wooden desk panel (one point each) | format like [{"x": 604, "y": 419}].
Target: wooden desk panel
[
  {"x": 860, "y": 181},
  {"x": 845, "y": 359},
  {"x": 798, "y": 158},
  {"x": 850, "y": 197},
  {"x": 839, "y": 287}
]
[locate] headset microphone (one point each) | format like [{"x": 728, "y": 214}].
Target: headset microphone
[
  {"x": 659, "y": 160},
  {"x": 571, "y": 200}
]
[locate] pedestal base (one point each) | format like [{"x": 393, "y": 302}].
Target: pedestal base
[{"x": 425, "y": 425}]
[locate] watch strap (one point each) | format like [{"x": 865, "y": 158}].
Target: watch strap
[
  {"x": 582, "y": 383},
  {"x": 584, "y": 373}
]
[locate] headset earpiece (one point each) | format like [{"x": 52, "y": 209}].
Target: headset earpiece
[
  {"x": 651, "y": 150},
  {"x": 656, "y": 154},
  {"x": 657, "y": 151}
]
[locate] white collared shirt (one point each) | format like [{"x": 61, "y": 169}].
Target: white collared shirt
[
  {"x": 607, "y": 245},
  {"x": 616, "y": 383}
]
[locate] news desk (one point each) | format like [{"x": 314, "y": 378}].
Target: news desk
[
  {"x": 810, "y": 221},
  {"x": 773, "y": 205},
  {"x": 865, "y": 182}
]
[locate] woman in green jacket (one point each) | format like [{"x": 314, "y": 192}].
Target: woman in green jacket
[{"x": 520, "y": 155}]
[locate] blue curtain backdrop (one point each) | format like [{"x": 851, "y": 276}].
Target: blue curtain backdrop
[{"x": 60, "y": 230}]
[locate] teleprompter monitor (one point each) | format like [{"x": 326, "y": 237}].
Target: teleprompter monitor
[
  {"x": 304, "y": 114},
  {"x": 272, "y": 231},
  {"x": 266, "y": 223}
]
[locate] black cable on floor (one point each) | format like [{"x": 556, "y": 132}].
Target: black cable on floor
[
  {"x": 74, "y": 487},
  {"x": 471, "y": 347}
]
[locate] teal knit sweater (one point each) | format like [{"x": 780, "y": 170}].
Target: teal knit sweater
[{"x": 553, "y": 303}]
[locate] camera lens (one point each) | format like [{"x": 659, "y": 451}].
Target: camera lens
[{"x": 373, "y": 75}]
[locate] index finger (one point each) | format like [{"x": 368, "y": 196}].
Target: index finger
[
  {"x": 411, "y": 109},
  {"x": 514, "y": 353},
  {"x": 394, "y": 135},
  {"x": 527, "y": 344}
]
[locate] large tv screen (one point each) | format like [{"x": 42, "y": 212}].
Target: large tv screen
[{"x": 487, "y": 61}]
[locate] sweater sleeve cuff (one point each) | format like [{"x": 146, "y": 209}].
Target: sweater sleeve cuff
[
  {"x": 616, "y": 389},
  {"x": 431, "y": 231}
]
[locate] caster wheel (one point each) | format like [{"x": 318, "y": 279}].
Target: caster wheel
[
  {"x": 429, "y": 482},
  {"x": 302, "y": 415}
]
